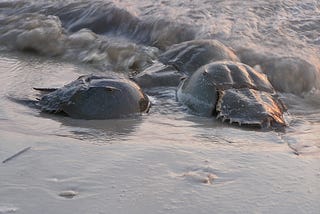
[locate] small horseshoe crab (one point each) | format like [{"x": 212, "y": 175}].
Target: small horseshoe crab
[
  {"x": 232, "y": 92},
  {"x": 95, "y": 97},
  {"x": 182, "y": 60},
  {"x": 188, "y": 56}
]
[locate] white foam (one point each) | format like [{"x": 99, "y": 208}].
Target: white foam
[
  {"x": 8, "y": 209},
  {"x": 45, "y": 35}
]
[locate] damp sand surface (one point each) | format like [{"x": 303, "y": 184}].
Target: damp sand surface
[
  {"x": 167, "y": 160},
  {"x": 164, "y": 161}
]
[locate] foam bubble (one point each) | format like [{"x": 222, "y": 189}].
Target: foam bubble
[{"x": 7, "y": 209}]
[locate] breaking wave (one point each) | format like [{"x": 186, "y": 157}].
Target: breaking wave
[{"x": 110, "y": 35}]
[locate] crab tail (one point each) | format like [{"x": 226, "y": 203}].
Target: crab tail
[{"x": 47, "y": 90}]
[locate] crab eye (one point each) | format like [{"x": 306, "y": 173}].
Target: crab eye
[
  {"x": 108, "y": 89},
  {"x": 183, "y": 78},
  {"x": 111, "y": 89}
]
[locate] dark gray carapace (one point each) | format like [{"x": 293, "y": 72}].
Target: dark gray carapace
[
  {"x": 96, "y": 97},
  {"x": 233, "y": 92}
]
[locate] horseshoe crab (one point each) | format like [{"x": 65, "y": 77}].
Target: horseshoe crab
[
  {"x": 232, "y": 92},
  {"x": 95, "y": 97},
  {"x": 188, "y": 56},
  {"x": 287, "y": 74},
  {"x": 181, "y": 60}
]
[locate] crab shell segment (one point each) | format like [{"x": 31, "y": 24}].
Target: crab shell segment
[{"x": 250, "y": 107}]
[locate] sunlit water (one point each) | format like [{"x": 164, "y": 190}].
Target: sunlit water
[{"x": 167, "y": 160}]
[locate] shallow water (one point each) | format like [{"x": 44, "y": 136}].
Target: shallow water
[{"x": 165, "y": 161}]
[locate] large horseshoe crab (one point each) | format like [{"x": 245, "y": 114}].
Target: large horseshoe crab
[
  {"x": 95, "y": 97},
  {"x": 233, "y": 92}
]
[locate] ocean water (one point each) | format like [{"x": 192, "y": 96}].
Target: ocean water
[{"x": 167, "y": 160}]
